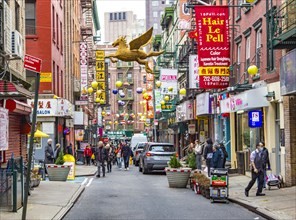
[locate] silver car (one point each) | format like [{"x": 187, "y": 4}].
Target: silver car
[
  {"x": 155, "y": 156},
  {"x": 137, "y": 151}
]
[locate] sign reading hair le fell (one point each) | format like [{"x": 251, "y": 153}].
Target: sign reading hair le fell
[{"x": 213, "y": 46}]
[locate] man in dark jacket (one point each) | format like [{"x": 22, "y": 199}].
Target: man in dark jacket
[
  {"x": 101, "y": 156},
  {"x": 126, "y": 152},
  {"x": 266, "y": 164},
  {"x": 208, "y": 154},
  {"x": 257, "y": 162},
  {"x": 48, "y": 153}
]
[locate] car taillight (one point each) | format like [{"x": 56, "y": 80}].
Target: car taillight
[
  {"x": 177, "y": 155},
  {"x": 148, "y": 154}
]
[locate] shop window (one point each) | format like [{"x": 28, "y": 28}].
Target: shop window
[{"x": 247, "y": 137}]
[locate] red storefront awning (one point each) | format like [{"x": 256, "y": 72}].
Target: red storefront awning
[
  {"x": 18, "y": 107},
  {"x": 13, "y": 91}
]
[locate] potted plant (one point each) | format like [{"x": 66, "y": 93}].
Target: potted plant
[
  {"x": 58, "y": 171},
  {"x": 177, "y": 175}
]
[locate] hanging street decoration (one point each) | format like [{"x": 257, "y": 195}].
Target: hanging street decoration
[{"x": 133, "y": 51}]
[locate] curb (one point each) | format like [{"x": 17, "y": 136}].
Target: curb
[
  {"x": 254, "y": 209},
  {"x": 60, "y": 215}
]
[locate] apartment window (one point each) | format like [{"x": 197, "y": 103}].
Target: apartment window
[
  {"x": 155, "y": 14},
  {"x": 258, "y": 47},
  {"x": 54, "y": 79},
  {"x": 123, "y": 15},
  {"x": 53, "y": 25},
  {"x": 144, "y": 79},
  {"x": 155, "y": 26},
  {"x": 238, "y": 60},
  {"x": 248, "y": 52},
  {"x": 62, "y": 84},
  {"x": 120, "y": 76},
  {"x": 129, "y": 93},
  {"x": 111, "y": 16},
  {"x": 61, "y": 36},
  {"x": 115, "y": 16},
  {"x": 119, "y": 16},
  {"x": 57, "y": 86},
  {"x": 238, "y": 12},
  {"x": 57, "y": 30},
  {"x": 155, "y": 3},
  {"x": 30, "y": 15},
  {"x": 130, "y": 106},
  {"x": 17, "y": 16}
]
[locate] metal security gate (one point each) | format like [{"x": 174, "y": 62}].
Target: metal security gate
[{"x": 12, "y": 185}]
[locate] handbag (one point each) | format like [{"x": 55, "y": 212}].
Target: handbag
[{"x": 92, "y": 156}]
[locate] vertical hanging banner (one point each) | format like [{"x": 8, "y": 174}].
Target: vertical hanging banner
[
  {"x": 83, "y": 66},
  {"x": 193, "y": 72},
  {"x": 213, "y": 46},
  {"x": 100, "y": 75}
]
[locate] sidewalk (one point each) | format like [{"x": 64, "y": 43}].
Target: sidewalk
[
  {"x": 276, "y": 204},
  {"x": 46, "y": 200}
]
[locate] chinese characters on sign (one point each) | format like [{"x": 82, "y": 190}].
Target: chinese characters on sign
[
  {"x": 83, "y": 66},
  {"x": 100, "y": 74},
  {"x": 193, "y": 72},
  {"x": 168, "y": 78},
  {"x": 213, "y": 46}
]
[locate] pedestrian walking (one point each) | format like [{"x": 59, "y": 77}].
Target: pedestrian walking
[
  {"x": 57, "y": 151},
  {"x": 266, "y": 165},
  {"x": 87, "y": 154},
  {"x": 198, "y": 154},
  {"x": 69, "y": 149},
  {"x": 257, "y": 163},
  {"x": 222, "y": 147},
  {"x": 48, "y": 153},
  {"x": 217, "y": 159},
  {"x": 118, "y": 156},
  {"x": 109, "y": 159},
  {"x": 208, "y": 154},
  {"x": 101, "y": 158},
  {"x": 190, "y": 148},
  {"x": 126, "y": 152},
  {"x": 92, "y": 158}
]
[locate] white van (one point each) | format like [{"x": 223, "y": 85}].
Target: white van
[{"x": 137, "y": 138}]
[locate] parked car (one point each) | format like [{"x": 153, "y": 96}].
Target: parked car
[
  {"x": 137, "y": 151},
  {"x": 155, "y": 156},
  {"x": 136, "y": 138}
]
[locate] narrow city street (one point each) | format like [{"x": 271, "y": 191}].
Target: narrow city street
[{"x": 132, "y": 195}]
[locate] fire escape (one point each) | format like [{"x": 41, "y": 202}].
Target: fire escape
[{"x": 87, "y": 36}]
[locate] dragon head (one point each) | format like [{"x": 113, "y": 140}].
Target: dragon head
[{"x": 121, "y": 39}]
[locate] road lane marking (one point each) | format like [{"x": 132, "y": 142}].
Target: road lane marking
[
  {"x": 84, "y": 181},
  {"x": 89, "y": 182}
]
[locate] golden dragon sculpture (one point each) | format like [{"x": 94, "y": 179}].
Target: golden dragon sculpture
[{"x": 134, "y": 51}]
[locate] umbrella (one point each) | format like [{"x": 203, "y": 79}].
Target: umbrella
[{"x": 40, "y": 134}]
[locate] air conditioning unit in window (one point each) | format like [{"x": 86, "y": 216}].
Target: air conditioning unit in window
[{"x": 17, "y": 45}]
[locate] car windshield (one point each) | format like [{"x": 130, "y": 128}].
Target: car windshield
[
  {"x": 162, "y": 148},
  {"x": 141, "y": 146}
]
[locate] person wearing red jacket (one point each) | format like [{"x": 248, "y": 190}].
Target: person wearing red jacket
[{"x": 87, "y": 154}]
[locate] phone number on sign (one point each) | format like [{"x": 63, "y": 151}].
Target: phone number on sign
[{"x": 216, "y": 78}]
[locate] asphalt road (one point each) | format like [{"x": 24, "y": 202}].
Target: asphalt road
[{"x": 132, "y": 195}]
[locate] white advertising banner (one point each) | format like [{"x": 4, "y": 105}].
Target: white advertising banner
[
  {"x": 193, "y": 72},
  {"x": 203, "y": 104},
  {"x": 83, "y": 66},
  {"x": 254, "y": 98},
  {"x": 168, "y": 78},
  {"x": 4, "y": 130}
]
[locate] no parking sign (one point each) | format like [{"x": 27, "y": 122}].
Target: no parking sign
[{"x": 255, "y": 119}]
